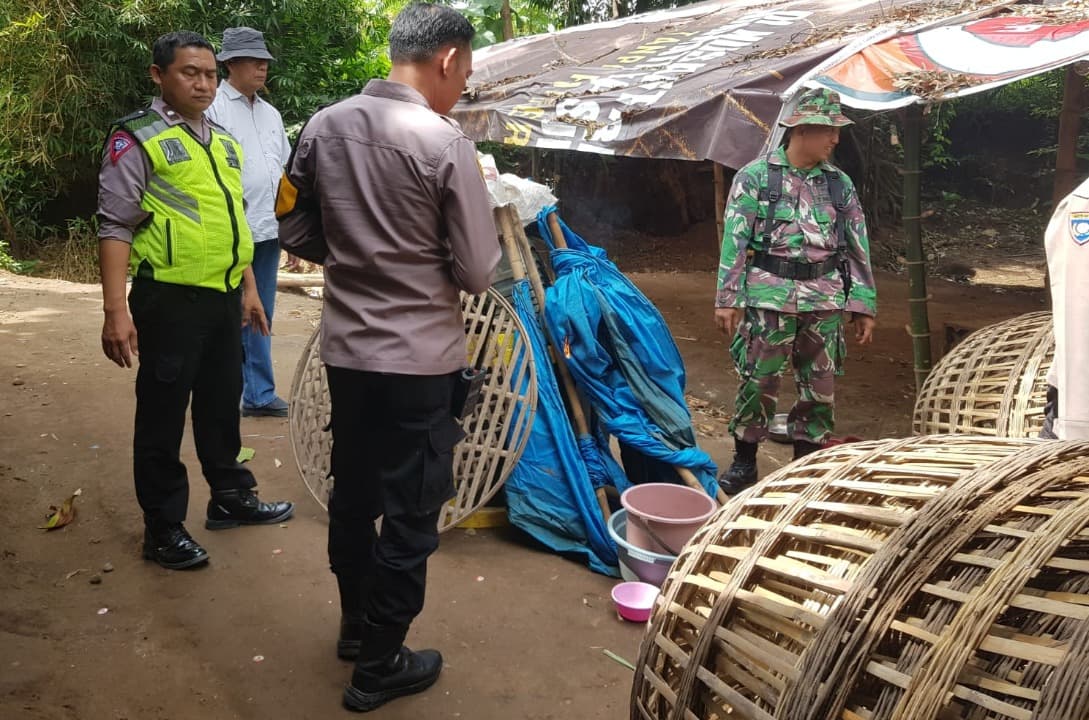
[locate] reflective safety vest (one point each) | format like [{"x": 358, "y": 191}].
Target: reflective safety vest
[{"x": 196, "y": 232}]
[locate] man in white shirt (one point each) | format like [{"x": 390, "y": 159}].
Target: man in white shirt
[
  {"x": 265, "y": 149},
  {"x": 1067, "y": 244}
]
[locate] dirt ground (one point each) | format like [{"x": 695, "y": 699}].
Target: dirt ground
[{"x": 521, "y": 629}]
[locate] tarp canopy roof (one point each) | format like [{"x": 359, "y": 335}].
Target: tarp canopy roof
[
  {"x": 953, "y": 59},
  {"x": 707, "y": 81}
]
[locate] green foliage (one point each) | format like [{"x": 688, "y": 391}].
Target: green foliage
[
  {"x": 67, "y": 69},
  {"x": 10, "y": 264},
  {"x": 936, "y": 140},
  {"x": 325, "y": 49},
  {"x": 508, "y": 158},
  {"x": 528, "y": 17},
  {"x": 1040, "y": 97}
]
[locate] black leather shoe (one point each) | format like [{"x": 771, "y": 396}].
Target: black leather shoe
[
  {"x": 173, "y": 548},
  {"x": 351, "y": 637},
  {"x": 405, "y": 673},
  {"x": 231, "y": 508}
]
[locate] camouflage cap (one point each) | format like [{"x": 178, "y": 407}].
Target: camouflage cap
[{"x": 817, "y": 107}]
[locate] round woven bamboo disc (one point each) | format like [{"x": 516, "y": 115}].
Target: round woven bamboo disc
[
  {"x": 914, "y": 579},
  {"x": 496, "y": 433},
  {"x": 992, "y": 383}
]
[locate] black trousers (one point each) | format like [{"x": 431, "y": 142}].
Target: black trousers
[
  {"x": 190, "y": 342},
  {"x": 393, "y": 453}
]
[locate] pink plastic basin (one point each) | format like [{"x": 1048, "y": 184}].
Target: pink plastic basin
[
  {"x": 672, "y": 512},
  {"x": 635, "y": 600}
]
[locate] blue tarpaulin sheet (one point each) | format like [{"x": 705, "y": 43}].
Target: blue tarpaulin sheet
[
  {"x": 622, "y": 355},
  {"x": 550, "y": 492}
]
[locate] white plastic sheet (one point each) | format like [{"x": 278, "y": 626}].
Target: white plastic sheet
[{"x": 528, "y": 197}]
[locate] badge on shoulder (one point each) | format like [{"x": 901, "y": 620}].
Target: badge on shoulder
[
  {"x": 120, "y": 143},
  {"x": 1079, "y": 227}
]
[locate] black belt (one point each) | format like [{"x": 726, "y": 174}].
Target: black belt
[{"x": 794, "y": 270}]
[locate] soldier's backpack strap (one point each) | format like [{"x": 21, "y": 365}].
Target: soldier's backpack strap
[
  {"x": 772, "y": 193},
  {"x": 839, "y": 200}
]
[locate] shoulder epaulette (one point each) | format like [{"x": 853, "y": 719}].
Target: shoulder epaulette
[
  {"x": 130, "y": 117},
  {"x": 134, "y": 121}
]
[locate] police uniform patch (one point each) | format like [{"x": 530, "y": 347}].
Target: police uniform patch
[
  {"x": 174, "y": 150},
  {"x": 120, "y": 143},
  {"x": 232, "y": 156},
  {"x": 1079, "y": 227}
]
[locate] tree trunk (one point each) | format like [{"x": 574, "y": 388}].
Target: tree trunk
[
  {"x": 1066, "y": 174},
  {"x": 1066, "y": 157},
  {"x": 508, "y": 21}
]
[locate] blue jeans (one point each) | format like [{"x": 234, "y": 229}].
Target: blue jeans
[{"x": 258, "y": 383}]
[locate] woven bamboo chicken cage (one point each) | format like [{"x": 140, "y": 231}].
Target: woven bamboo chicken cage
[
  {"x": 914, "y": 579},
  {"x": 992, "y": 383},
  {"x": 496, "y": 433}
]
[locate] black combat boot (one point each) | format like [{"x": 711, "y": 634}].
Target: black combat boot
[
  {"x": 172, "y": 547},
  {"x": 386, "y": 669},
  {"x": 742, "y": 471},
  {"x": 804, "y": 447},
  {"x": 351, "y": 617},
  {"x": 231, "y": 508}
]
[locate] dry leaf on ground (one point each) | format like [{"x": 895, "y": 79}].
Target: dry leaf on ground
[{"x": 66, "y": 513}]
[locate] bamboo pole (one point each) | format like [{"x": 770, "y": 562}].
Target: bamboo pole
[
  {"x": 916, "y": 259},
  {"x": 300, "y": 280},
  {"x": 522, "y": 265}
]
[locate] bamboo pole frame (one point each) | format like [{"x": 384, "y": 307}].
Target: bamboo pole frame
[
  {"x": 523, "y": 267},
  {"x": 916, "y": 257},
  {"x": 993, "y": 383},
  {"x": 911, "y": 579},
  {"x": 496, "y": 434}
]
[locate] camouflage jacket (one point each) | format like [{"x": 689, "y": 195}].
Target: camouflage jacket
[{"x": 803, "y": 232}]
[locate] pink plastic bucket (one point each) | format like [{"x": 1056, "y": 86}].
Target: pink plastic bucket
[{"x": 670, "y": 513}]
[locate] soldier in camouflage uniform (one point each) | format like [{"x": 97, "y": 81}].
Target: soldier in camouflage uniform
[{"x": 784, "y": 284}]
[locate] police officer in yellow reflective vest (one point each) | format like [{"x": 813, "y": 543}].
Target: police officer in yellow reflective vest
[{"x": 171, "y": 216}]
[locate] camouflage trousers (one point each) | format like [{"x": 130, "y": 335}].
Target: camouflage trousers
[{"x": 813, "y": 342}]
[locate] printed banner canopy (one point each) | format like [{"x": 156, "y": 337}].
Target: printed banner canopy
[
  {"x": 707, "y": 81},
  {"x": 958, "y": 59},
  {"x": 697, "y": 82}
]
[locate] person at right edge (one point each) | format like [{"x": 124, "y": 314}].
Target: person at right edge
[
  {"x": 795, "y": 257},
  {"x": 1067, "y": 243},
  {"x": 386, "y": 192}
]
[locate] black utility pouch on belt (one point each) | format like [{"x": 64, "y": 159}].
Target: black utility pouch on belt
[{"x": 468, "y": 392}]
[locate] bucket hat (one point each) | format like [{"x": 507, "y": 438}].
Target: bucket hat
[
  {"x": 818, "y": 107},
  {"x": 243, "y": 42}
]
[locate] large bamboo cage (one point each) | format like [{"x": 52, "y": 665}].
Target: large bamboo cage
[
  {"x": 992, "y": 383},
  {"x": 916, "y": 579},
  {"x": 496, "y": 433}
]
